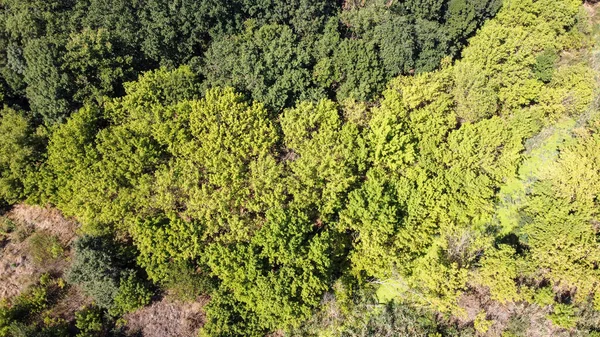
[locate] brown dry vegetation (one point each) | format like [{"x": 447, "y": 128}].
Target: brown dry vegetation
[
  {"x": 167, "y": 317},
  {"x": 18, "y": 270},
  {"x": 530, "y": 317},
  {"x": 17, "y": 266}
]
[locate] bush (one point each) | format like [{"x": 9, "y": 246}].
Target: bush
[
  {"x": 363, "y": 316},
  {"x": 95, "y": 269},
  {"x": 22, "y": 232},
  {"x": 563, "y": 316},
  {"x": 44, "y": 247},
  {"x": 544, "y": 297},
  {"x": 89, "y": 322},
  {"x": 19, "y": 150},
  {"x": 5, "y": 318},
  {"x": 518, "y": 325},
  {"x": 99, "y": 268},
  {"x": 544, "y": 65},
  {"x": 33, "y": 301},
  {"x": 20, "y": 329},
  {"x": 393, "y": 319},
  {"x": 7, "y": 226},
  {"x": 230, "y": 318},
  {"x": 132, "y": 294},
  {"x": 482, "y": 325},
  {"x": 26, "y": 314},
  {"x": 185, "y": 284}
]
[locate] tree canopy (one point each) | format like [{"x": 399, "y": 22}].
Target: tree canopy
[{"x": 315, "y": 168}]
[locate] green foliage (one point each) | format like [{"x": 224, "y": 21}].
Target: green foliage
[
  {"x": 69, "y": 152},
  {"x": 544, "y": 297},
  {"x": 30, "y": 313},
  {"x": 543, "y": 68},
  {"x": 95, "y": 270},
  {"x": 17, "y": 313},
  {"x": 304, "y": 16},
  {"x": 186, "y": 282},
  {"x": 351, "y": 55},
  {"x": 392, "y": 319},
  {"x": 269, "y": 62},
  {"x": 573, "y": 207},
  {"x": 99, "y": 268},
  {"x": 19, "y": 155},
  {"x": 374, "y": 213},
  {"x": 241, "y": 177},
  {"x": 286, "y": 294},
  {"x": 97, "y": 63},
  {"x": 89, "y": 322},
  {"x": 230, "y": 318},
  {"x": 321, "y": 180},
  {"x": 173, "y": 33},
  {"x": 7, "y": 227},
  {"x": 563, "y": 316},
  {"x": 498, "y": 271},
  {"x": 360, "y": 315},
  {"x": 132, "y": 294},
  {"x": 48, "y": 87},
  {"x": 5, "y": 319},
  {"x": 482, "y": 325}
]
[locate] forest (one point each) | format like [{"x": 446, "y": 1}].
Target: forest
[{"x": 320, "y": 168}]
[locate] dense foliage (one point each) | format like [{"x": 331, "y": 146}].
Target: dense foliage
[
  {"x": 58, "y": 55},
  {"x": 316, "y": 168}
]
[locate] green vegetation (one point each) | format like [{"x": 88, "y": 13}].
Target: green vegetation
[
  {"x": 100, "y": 268},
  {"x": 315, "y": 168}
]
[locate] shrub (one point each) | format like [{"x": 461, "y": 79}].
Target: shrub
[
  {"x": 18, "y": 154},
  {"x": 185, "y": 284},
  {"x": 45, "y": 247},
  {"x": 33, "y": 301},
  {"x": 22, "y": 232},
  {"x": 393, "y": 319},
  {"x": 482, "y": 325},
  {"x": 5, "y": 318},
  {"x": 544, "y": 65},
  {"x": 132, "y": 294},
  {"x": 228, "y": 317},
  {"x": 89, "y": 322},
  {"x": 7, "y": 226},
  {"x": 563, "y": 316},
  {"x": 20, "y": 329},
  {"x": 95, "y": 269},
  {"x": 518, "y": 325},
  {"x": 544, "y": 297},
  {"x": 99, "y": 269}
]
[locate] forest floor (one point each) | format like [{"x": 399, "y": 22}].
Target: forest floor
[
  {"x": 167, "y": 317},
  {"x": 18, "y": 266},
  {"x": 26, "y": 235},
  {"x": 19, "y": 269}
]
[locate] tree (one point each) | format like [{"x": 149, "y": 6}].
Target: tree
[
  {"x": 20, "y": 155},
  {"x": 270, "y": 63},
  {"x": 281, "y": 274},
  {"x": 560, "y": 212},
  {"x": 174, "y": 33},
  {"x": 48, "y": 87},
  {"x": 499, "y": 270},
  {"x": 319, "y": 181},
  {"x": 97, "y": 63}
]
